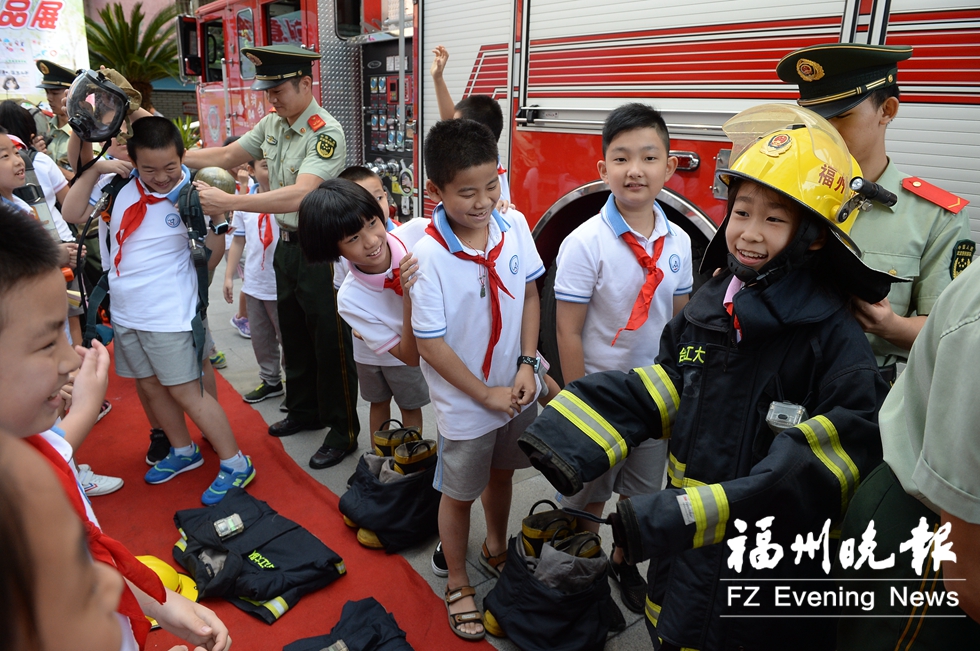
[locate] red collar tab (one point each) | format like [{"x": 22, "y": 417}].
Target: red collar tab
[
  {"x": 929, "y": 192},
  {"x": 315, "y": 122}
]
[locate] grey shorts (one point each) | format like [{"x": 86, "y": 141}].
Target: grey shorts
[
  {"x": 643, "y": 472},
  {"x": 404, "y": 383},
  {"x": 170, "y": 356},
  {"x": 463, "y": 469}
]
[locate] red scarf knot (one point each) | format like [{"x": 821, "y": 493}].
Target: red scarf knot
[
  {"x": 132, "y": 219},
  {"x": 654, "y": 275}
]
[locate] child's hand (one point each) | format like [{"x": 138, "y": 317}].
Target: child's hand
[
  {"x": 92, "y": 378},
  {"x": 501, "y": 399},
  {"x": 243, "y": 180},
  {"x": 68, "y": 252},
  {"x": 524, "y": 387},
  {"x": 113, "y": 166},
  {"x": 229, "y": 290},
  {"x": 66, "y": 391},
  {"x": 407, "y": 272},
  {"x": 356, "y": 334},
  {"x": 439, "y": 63},
  {"x": 503, "y": 205}
]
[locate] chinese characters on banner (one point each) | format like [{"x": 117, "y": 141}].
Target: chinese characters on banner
[{"x": 38, "y": 29}]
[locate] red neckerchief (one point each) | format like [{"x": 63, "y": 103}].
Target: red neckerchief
[
  {"x": 394, "y": 283},
  {"x": 654, "y": 274},
  {"x": 730, "y": 308},
  {"x": 492, "y": 279},
  {"x": 132, "y": 219},
  {"x": 266, "y": 235},
  {"x": 105, "y": 549}
]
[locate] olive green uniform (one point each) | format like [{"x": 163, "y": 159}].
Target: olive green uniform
[
  {"x": 914, "y": 239},
  {"x": 320, "y": 371},
  {"x": 58, "y": 147}
]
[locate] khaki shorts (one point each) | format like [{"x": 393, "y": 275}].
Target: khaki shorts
[
  {"x": 643, "y": 472},
  {"x": 170, "y": 356},
  {"x": 463, "y": 469},
  {"x": 404, "y": 383}
]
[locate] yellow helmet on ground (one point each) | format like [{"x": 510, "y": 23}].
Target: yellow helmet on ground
[{"x": 800, "y": 155}]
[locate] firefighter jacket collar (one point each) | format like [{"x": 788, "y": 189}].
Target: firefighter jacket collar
[{"x": 797, "y": 299}]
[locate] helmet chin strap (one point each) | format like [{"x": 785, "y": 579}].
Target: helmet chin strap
[{"x": 795, "y": 256}]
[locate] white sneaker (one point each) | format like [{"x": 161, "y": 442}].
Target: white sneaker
[{"x": 94, "y": 484}]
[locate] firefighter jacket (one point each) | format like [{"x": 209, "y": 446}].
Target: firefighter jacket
[
  {"x": 265, "y": 569},
  {"x": 710, "y": 395}
]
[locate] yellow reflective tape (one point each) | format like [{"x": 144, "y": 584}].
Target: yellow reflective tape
[
  {"x": 661, "y": 389},
  {"x": 825, "y": 444},
  {"x": 181, "y": 545},
  {"x": 277, "y": 607},
  {"x": 711, "y": 512},
  {"x": 652, "y": 611},
  {"x": 591, "y": 424},
  {"x": 675, "y": 470}
]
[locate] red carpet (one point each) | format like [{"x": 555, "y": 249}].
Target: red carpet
[{"x": 141, "y": 516}]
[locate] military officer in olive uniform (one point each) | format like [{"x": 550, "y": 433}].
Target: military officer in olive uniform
[
  {"x": 304, "y": 146},
  {"x": 56, "y": 80},
  {"x": 925, "y": 236}
]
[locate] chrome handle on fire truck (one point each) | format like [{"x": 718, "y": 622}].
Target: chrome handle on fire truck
[{"x": 687, "y": 161}]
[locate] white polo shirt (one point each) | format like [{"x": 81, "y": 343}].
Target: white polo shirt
[
  {"x": 597, "y": 267},
  {"x": 156, "y": 286},
  {"x": 376, "y": 313},
  {"x": 260, "y": 277},
  {"x": 446, "y": 303}
]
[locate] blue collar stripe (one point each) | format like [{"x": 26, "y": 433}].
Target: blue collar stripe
[{"x": 441, "y": 222}]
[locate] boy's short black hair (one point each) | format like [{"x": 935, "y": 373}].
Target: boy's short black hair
[
  {"x": 452, "y": 146},
  {"x": 880, "y": 95},
  {"x": 18, "y": 121},
  {"x": 230, "y": 139},
  {"x": 483, "y": 109},
  {"x": 357, "y": 173},
  {"x": 26, "y": 251},
  {"x": 630, "y": 117},
  {"x": 154, "y": 133},
  {"x": 337, "y": 209}
]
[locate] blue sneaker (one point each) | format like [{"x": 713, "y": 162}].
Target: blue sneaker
[
  {"x": 228, "y": 478},
  {"x": 172, "y": 465}
]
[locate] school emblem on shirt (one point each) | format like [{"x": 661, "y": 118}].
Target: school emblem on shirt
[
  {"x": 271, "y": 140},
  {"x": 809, "y": 70},
  {"x": 962, "y": 256},
  {"x": 675, "y": 263},
  {"x": 777, "y": 145},
  {"x": 325, "y": 146},
  {"x": 693, "y": 354},
  {"x": 172, "y": 220},
  {"x": 515, "y": 264}
]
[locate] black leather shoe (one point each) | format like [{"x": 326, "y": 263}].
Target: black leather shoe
[
  {"x": 288, "y": 427},
  {"x": 326, "y": 457}
]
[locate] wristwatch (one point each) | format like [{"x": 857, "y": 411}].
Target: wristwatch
[
  {"x": 530, "y": 361},
  {"x": 219, "y": 229}
]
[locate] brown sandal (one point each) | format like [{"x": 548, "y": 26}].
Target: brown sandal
[
  {"x": 468, "y": 617},
  {"x": 492, "y": 563}
]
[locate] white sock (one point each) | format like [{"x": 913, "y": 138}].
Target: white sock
[
  {"x": 186, "y": 451},
  {"x": 237, "y": 463}
]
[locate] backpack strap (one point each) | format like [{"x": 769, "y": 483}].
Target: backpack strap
[
  {"x": 189, "y": 207},
  {"x": 97, "y": 295}
]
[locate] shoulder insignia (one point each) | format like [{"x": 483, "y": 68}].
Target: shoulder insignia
[
  {"x": 325, "y": 146},
  {"x": 271, "y": 140},
  {"x": 929, "y": 192},
  {"x": 315, "y": 122},
  {"x": 962, "y": 257}
]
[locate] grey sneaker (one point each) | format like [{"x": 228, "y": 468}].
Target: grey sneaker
[{"x": 263, "y": 391}]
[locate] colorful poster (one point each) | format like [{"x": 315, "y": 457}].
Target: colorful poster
[{"x": 38, "y": 29}]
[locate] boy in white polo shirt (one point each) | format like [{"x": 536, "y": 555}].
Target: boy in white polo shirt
[
  {"x": 622, "y": 275},
  {"x": 154, "y": 292},
  {"x": 342, "y": 219},
  {"x": 260, "y": 232},
  {"x": 475, "y": 316}
]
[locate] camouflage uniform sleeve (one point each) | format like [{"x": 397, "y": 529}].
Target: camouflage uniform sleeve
[
  {"x": 326, "y": 152},
  {"x": 938, "y": 266}
]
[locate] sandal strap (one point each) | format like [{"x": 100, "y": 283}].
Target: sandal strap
[
  {"x": 452, "y": 596},
  {"x": 494, "y": 560},
  {"x": 470, "y": 616}
]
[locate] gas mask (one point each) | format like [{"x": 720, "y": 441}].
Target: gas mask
[{"x": 96, "y": 107}]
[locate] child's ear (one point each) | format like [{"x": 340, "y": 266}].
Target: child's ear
[
  {"x": 820, "y": 241},
  {"x": 433, "y": 190},
  {"x": 671, "y": 167},
  {"x": 601, "y": 166}
]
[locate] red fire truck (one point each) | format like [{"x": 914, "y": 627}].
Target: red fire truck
[{"x": 559, "y": 66}]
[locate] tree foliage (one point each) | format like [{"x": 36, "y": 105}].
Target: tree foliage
[{"x": 141, "y": 54}]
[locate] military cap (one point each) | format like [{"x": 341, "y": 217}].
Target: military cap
[
  {"x": 836, "y": 77},
  {"x": 276, "y": 64},
  {"x": 55, "y": 77}
]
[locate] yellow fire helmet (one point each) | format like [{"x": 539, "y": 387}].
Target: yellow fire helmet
[
  {"x": 172, "y": 580},
  {"x": 800, "y": 155}
]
